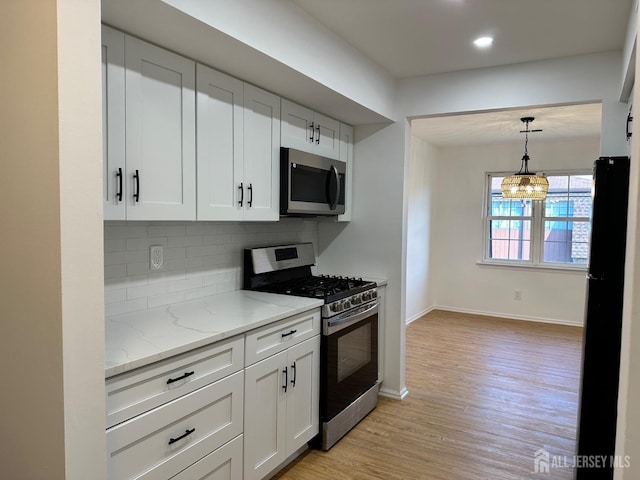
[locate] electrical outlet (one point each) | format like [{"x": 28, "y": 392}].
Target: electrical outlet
[
  {"x": 517, "y": 295},
  {"x": 156, "y": 257}
]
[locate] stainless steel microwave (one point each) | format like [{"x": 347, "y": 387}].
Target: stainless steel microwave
[{"x": 311, "y": 184}]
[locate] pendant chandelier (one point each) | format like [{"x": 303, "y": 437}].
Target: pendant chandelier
[{"x": 524, "y": 184}]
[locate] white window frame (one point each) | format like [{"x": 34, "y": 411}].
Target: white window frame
[{"x": 537, "y": 228}]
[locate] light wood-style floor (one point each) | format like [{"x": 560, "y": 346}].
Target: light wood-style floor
[{"x": 484, "y": 395}]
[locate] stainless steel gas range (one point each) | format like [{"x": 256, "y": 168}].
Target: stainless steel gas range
[{"x": 349, "y": 344}]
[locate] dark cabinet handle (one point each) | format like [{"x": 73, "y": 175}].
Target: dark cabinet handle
[
  {"x": 294, "y": 375},
  {"x": 250, "y": 188},
  {"x": 312, "y": 132},
  {"x": 629, "y": 120},
  {"x": 290, "y": 333},
  {"x": 119, "y": 177},
  {"x": 285, "y": 379},
  {"x": 241, "y": 187},
  {"x": 185, "y": 434},
  {"x": 318, "y": 136},
  {"x": 136, "y": 192},
  {"x": 188, "y": 374}
]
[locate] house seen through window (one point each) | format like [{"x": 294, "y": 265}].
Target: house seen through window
[{"x": 552, "y": 232}]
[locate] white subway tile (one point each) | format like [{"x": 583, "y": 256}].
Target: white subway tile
[
  {"x": 114, "y": 294},
  {"x": 126, "y": 307},
  {"x": 115, "y": 258},
  {"x": 137, "y": 268},
  {"x": 202, "y": 228},
  {"x": 167, "y": 231},
  {"x": 201, "y": 292},
  {"x": 166, "y": 299},
  {"x": 188, "y": 241},
  {"x": 202, "y": 251},
  {"x": 140, "y": 291},
  {"x": 115, "y": 271},
  {"x": 115, "y": 245}
]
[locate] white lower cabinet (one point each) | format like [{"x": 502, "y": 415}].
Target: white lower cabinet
[
  {"x": 223, "y": 464},
  {"x": 281, "y": 406},
  {"x": 203, "y": 415},
  {"x": 166, "y": 440}
]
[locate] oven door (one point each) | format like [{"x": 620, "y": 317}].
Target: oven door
[
  {"x": 311, "y": 184},
  {"x": 349, "y": 359}
]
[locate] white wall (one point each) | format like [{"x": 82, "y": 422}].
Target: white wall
[
  {"x": 51, "y": 293},
  {"x": 579, "y": 79},
  {"x": 290, "y": 35},
  {"x": 422, "y": 203},
  {"x": 462, "y": 284},
  {"x": 373, "y": 243},
  {"x": 628, "y": 432}
]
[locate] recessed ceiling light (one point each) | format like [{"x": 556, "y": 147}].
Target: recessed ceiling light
[{"x": 483, "y": 42}]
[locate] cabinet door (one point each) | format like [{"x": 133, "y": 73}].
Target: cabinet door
[
  {"x": 113, "y": 122},
  {"x": 265, "y": 416},
  {"x": 297, "y": 131},
  {"x": 166, "y": 440},
  {"x": 327, "y": 136},
  {"x": 346, "y": 155},
  {"x": 261, "y": 154},
  {"x": 223, "y": 464},
  {"x": 160, "y": 129},
  {"x": 303, "y": 395},
  {"x": 219, "y": 144}
]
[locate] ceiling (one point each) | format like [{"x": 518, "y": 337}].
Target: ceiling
[
  {"x": 422, "y": 37},
  {"x": 557, "y": 123}
]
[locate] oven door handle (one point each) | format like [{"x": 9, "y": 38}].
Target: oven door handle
[{"x": 336, "y": 324}]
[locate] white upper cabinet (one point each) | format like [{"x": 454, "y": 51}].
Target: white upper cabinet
[
  {"x": 219, "y": 145},
  {"x": 346, "y": 155},
  {"x": 261, "y": 154},
  {"x": 309, "y": 131},
  {"x": 160, "y": 133},
  {"x": 113, "y": 124},
  {"x": 238, "y": 146}
]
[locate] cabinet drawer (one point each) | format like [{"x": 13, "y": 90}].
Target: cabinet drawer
[
  {"x": 158, "y": 445},
  {"x": 223, "y": 464},
  {"x": 142, "y": 389},
  {"x": 276, "y": 337}
]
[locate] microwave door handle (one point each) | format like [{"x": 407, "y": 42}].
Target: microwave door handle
[{"x": 333, "y": 203}]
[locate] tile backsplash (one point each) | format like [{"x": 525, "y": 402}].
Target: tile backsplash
[{"x": 200, "y": 258}]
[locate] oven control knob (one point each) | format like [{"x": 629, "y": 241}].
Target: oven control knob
[
  {"x": 366, "y": 296},
  {"x": 336, "y": 307},
  {"x": 356, "y": 299},
  {"x": 346, "y": 304}
]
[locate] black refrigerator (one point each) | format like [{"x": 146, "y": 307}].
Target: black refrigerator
[{"x": 598, "y": 408}]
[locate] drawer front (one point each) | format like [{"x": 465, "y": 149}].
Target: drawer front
[
  {"x": 223, "y": 464},
  {"x": 276, "y": 337},
  {"x": 143, "y": 389},
  {"x": 161, "y": 443}
]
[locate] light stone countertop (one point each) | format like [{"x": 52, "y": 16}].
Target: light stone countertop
[{"x": 140, "y": 338}]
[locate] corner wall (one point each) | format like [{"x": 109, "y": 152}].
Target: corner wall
[
  {"x": 421, "y": 205},
  {"x": 50, "y": 255}
]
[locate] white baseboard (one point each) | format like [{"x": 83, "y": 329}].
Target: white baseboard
[
  {"x": 418, "y": 315},
  {"x": 509, "y": 316},
  {"x": 394, "y": 394}
]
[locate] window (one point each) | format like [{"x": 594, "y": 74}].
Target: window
[{"x": 553, "y": 232}]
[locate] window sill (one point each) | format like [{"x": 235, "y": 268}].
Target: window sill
[{"x": 529, "y": 266}]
